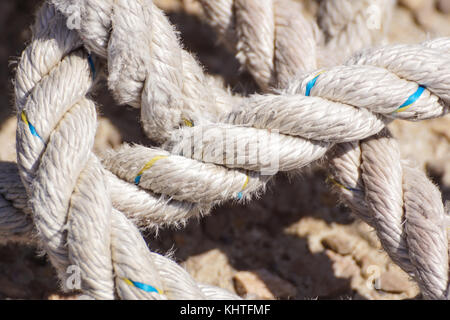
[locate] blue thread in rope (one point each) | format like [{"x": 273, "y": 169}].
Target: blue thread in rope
[
  {"x": 142, "y": 286},
  {"x": 30, "y": 126},
  {"x": 412, "y": 98},
  {"x": 91, "y": 65},
  {"x": 137, "y": 179},
  {"x": 311, "y": 84}
]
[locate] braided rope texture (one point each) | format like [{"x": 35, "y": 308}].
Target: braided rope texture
[{"x": 85, "y": 210}]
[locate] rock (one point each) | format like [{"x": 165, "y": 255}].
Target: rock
[
  {"x": 340, "y": 243},
  {"x": 107, "y": 135},
  {"x": 432, "y": 138},
  {"x": 169, "y": 5},
  {"x": 262, "y": 284},
  {"x": 395, "y": 281},
  {"x": 405, "y": 20},
  {"x": 211, "y": 267},
  {"x": 249, "y": 284},
  {"x": 367, "y": 233},
  {"x": 8, "y": 140},
  {"x": 192, "y": 7},
  {"x": 443, "y": 6},
  {"x": 431, "y": 20},
  {"x": 368, "y": 262},
  {"x": 413, "y": 4},
  {"x": 56, "y": 296},
  {"x": 343, "y": 266}
]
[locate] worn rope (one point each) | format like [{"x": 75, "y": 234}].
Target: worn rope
[
  {"x": 346, "y": 28},
  {"x": 275, "y": 39},
  {"x": 66, "y": 185},
  {"x": 297, "y": 124}
]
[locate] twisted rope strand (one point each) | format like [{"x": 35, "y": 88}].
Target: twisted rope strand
[
  {"x": 272, "y": 38},
  {"x": 72, "y": 196},
  {"x": 149, "y": 69}
]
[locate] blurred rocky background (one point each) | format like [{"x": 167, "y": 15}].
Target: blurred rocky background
[{"x": 297, "y": 241}]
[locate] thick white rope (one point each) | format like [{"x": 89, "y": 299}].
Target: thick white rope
[
  {"x": 67, "y": 187},
  {"x": 274, "y": 40},
  {"x": 351, "y": 25},
  {"x": 294, "y": 151},
  {"x": 346, "y": 29},
  {"x": 267, "y": 36}
]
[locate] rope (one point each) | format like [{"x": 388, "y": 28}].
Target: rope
[
  {"x": 83, "y": 210},
  {"x": 274, "y": 39},
  {"x": 369, "y": 168}
]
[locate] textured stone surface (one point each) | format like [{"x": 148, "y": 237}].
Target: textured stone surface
[
  {"x": 362, "y": 265},
  {"x": 248, "y": 284},
  {"x": 431, "y": 15},
  {"x": 340, "y": 243}
]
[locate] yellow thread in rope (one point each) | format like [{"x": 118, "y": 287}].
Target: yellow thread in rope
[
  {"x": 24, "y": 117},
  {"x": 411, "y": 99},
  {"x": 187, "y": 122},
  {"x": 243, "y": 187},
  {"x": 142, "y": 286},
  {"x": 147, "y": 166}
]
